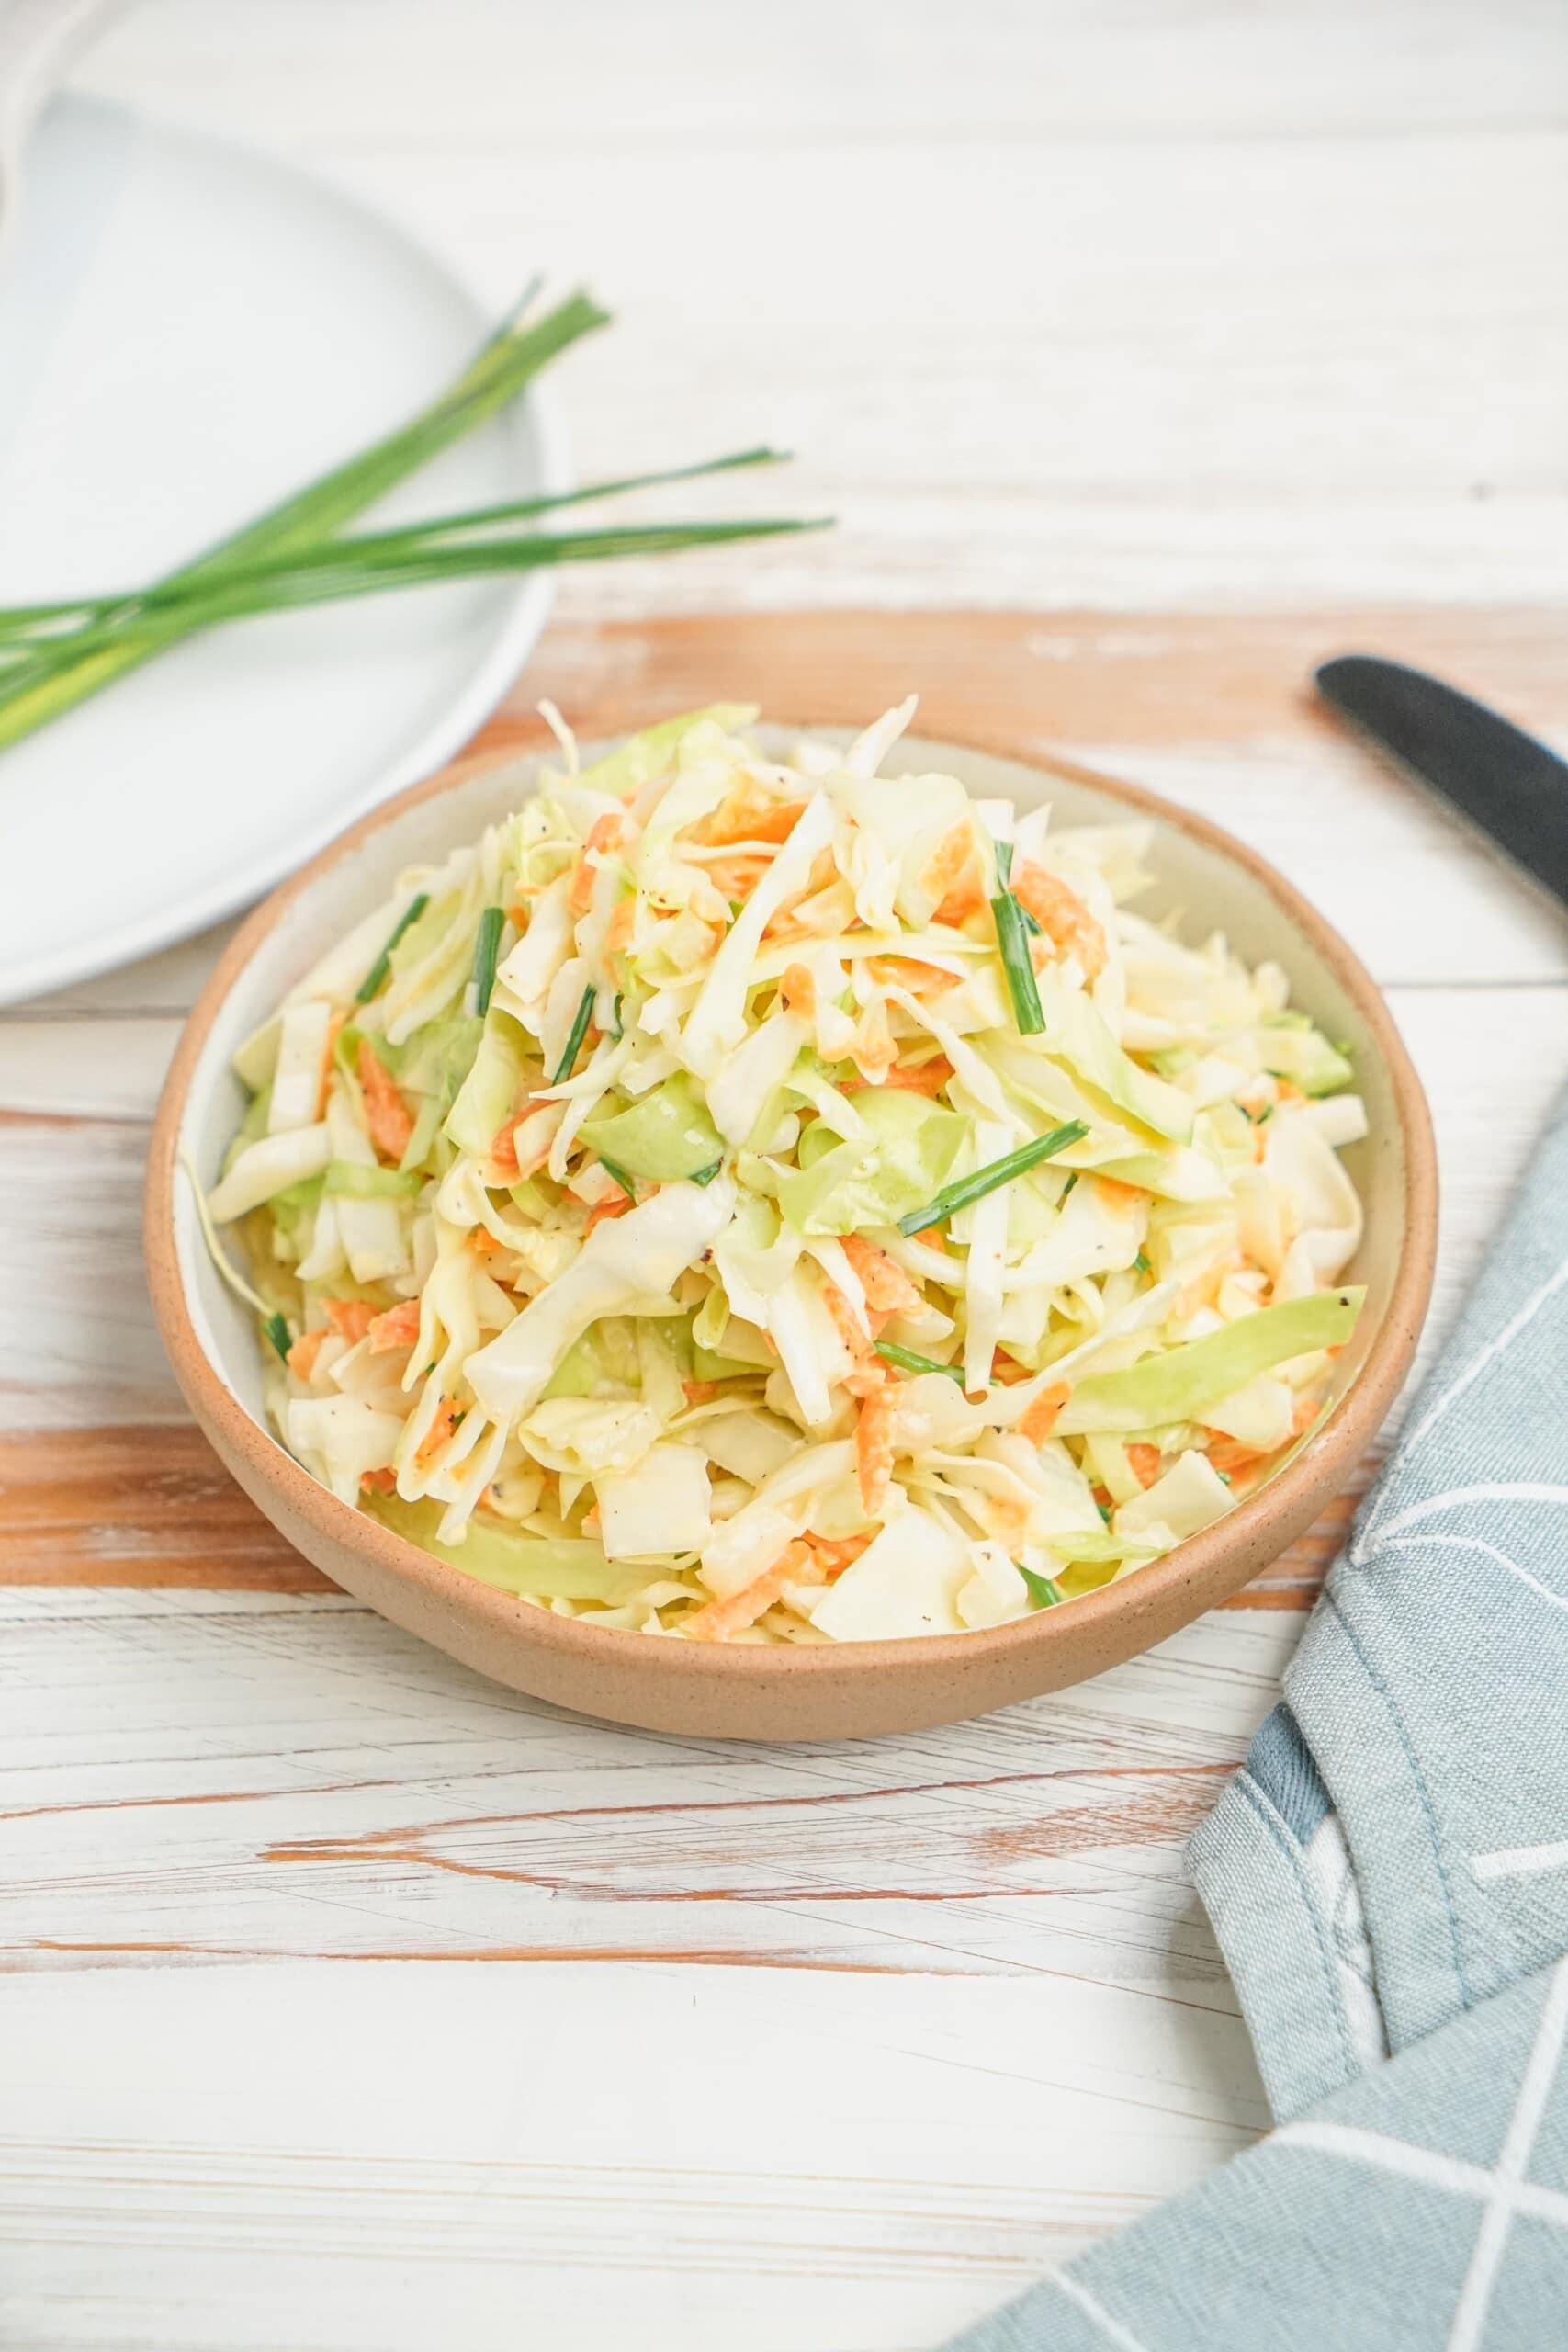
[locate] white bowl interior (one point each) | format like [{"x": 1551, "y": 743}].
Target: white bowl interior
[{"x": 1202, "y": 885}]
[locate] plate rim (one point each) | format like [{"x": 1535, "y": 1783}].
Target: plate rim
[{"x": 518, "y": 630}]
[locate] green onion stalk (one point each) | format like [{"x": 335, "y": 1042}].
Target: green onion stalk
[{"x": 55, "y": 656}]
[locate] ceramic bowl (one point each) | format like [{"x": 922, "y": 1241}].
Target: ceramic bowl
[{"x": 855, "y": 1689}]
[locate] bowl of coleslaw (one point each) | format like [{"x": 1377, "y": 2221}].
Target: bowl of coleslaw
[{"x": 774, "y": 1232}]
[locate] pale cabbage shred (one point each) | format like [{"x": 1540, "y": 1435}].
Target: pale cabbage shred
[{"x": 632, "y": 1418}]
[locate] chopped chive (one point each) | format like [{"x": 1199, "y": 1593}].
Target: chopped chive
[
  {"x": 1068, "y": 1187},
  {"x": 277, "y": 1332},
  {"x": 1012, "y": 943},
  {"x": 622, "y": 1178},
  {"x": 1042, "y": 1590},
  {"x": 908, "y": 1361},
  {"x": 1004, "y": 862},
  {"x": 486, "y": 946},
  {"x": 584, "y": 1014},
  {"x": 1142, "y": 1261},
  {"x": 1266, "y": 1113},
  {"x": 706, "y": 1175},
  {"x": 615, "y": 1016},
  {"x": 954, "y": 1197},
  {"x": 374, "y": 978},
  {"x": 1104, "y": 1511}
]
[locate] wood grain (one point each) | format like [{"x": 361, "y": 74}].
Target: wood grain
[{"x": 349, "y": 2004}]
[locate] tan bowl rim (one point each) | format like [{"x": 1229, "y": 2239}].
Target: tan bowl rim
[{"x": 1324, "y": 1465}]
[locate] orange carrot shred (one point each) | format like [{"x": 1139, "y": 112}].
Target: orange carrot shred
[
  {"x": 399, "y": 1327},
  {"x": 387, "y": 1115},
  {"x": 350, "y": 1318},
  {"x": 874, "y": 1446},
  {"x": 1145, "y": 1462},
  {"x": 1040, "y": 1418},
  {"x": 717, "y": 1620},
  {"x": 306, "y": 1349}
]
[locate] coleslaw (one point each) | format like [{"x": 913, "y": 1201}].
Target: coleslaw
[{"x": 757, "y": 1200}]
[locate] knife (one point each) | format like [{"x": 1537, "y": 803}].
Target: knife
[{"x": 1488, "y": 771}]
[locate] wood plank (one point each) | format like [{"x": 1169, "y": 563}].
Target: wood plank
[
  {"x": 1174, "y": 307},
  {"x": 263, "y": 1775},
  {"x": 146, "y": 1505},
  {"x": 551, "y": 2150},
  {"x": 1193, "y": 69}
]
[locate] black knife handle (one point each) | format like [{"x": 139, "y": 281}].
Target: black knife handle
[{"x": 1493, "y": 773}]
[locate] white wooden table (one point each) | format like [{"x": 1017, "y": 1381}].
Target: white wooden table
[{"x": 349, "y": 2003}]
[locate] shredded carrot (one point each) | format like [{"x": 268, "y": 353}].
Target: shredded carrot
[
  {"x": 737, "y": 877},
  {"x": 350, "y": 1318},
  {"x": 1230, "y": 1457},
  {"x": 613, "y": 1204},
  {"x": 387, "y": 1115},
  {"x": 874, "y": 1446},
  {"x": 1144, "y": 1464},
  {"x": 1117, "y": 1195},
  {"x": 483, "y": 1243},
  {"x": 399, "y": 1327},
  {"x": 618, "y": 931},
  {"x": 908, "y": 972},
  {"x": 930, "y": 1078},
  {"x": 1009, "y": 1521},
  {"x": 846, "y": 1325},
  {"x": 747, "y": 817},
  {"x": 702, "y": 1392},
  {"x": 379, "y": 1482},
  {"x": 783, "y": 923},
  {"x": 306, "y": 1349},
  {"x": 1040, "y": 1418},
  {"x": 944, "y": 869},
  {"x": 823, "y": 912},
  {"x": 1006, "y": 1369},
  {"x": 591, "y": 1522},
  {"x": 443, "y": 1427},
  {"x": 873, "y": 1048},
  {"x": 797, "y": 992},
  {"x": 883, "y": 1281},
  {"x": 503, "y": 1150},
  {"x": 1062, "y": 916},
  {"x": 604, "y": 833},
  {"x": 503, "y": 1145},
  {"x": 717, "y": 1620},
  {"x": 833, "y": 1556},
  {"x": 955, "y": 909}
]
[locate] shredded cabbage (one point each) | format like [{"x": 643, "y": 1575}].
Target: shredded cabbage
[{"x": 604, "y": 1296}]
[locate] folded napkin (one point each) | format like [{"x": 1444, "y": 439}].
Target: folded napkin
[{"x": 1388, "y": 1875}]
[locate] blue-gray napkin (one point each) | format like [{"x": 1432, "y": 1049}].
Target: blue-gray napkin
[{"x": 1388, "y": 1875}]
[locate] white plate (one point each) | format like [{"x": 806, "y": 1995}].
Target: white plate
[{"x": 186, "y": 334}]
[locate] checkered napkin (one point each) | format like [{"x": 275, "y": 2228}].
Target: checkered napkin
[{"x": 1388, "y": 1875}]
